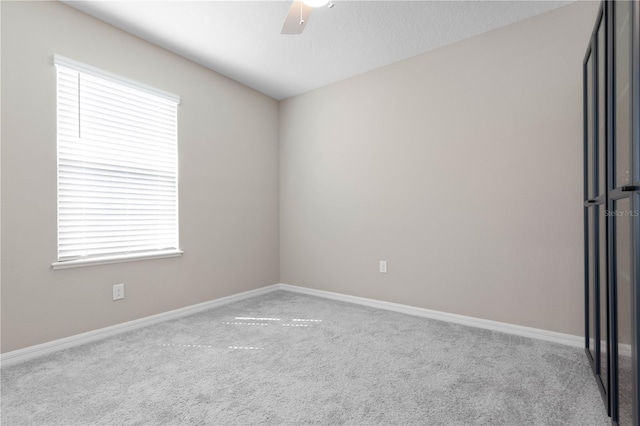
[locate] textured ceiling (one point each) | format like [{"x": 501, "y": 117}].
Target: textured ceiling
[{"x": 242, "y": 40}]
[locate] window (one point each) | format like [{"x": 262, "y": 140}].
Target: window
[{"x": 117, "y": 168}]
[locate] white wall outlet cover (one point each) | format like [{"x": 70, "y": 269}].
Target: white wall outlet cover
[
  {"x": 118, "y": 291},
  {"x": 383, "y": 266}
]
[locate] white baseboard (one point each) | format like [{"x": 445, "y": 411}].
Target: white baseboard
[
  {"x": 25, "y": 354},
  {"x": 624, "y": 350},
  {"x": 518, "y": 330},
  {"x": 21, "y": 355}
]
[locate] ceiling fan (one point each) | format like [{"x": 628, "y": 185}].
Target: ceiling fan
[{"x": 299, "y": 14}]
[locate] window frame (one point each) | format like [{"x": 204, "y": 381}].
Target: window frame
[{"x": 82, "y": 68}]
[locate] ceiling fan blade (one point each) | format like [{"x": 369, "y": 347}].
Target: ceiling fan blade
[{"x": 292, "y": 21}]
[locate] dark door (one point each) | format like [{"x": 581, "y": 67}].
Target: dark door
[
  {"x": 596, "y": 207},
  {"x": 623, "y": 200}
]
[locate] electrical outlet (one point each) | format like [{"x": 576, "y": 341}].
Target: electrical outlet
[
  {"x": 383, "y": 266},
  {"x": 118, "y": 291}
]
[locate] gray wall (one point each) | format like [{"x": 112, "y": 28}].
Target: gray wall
[
  {"x": 461, "y": 167},
  {"x": 228, "y": 159}
]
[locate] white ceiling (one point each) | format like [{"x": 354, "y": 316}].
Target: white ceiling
[{"x": 242, "y": 40}]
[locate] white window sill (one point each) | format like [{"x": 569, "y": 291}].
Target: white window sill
[{"x": 79, "y": 263}]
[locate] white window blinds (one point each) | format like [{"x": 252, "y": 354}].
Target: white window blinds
[{"x": 117, "y": 166}]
